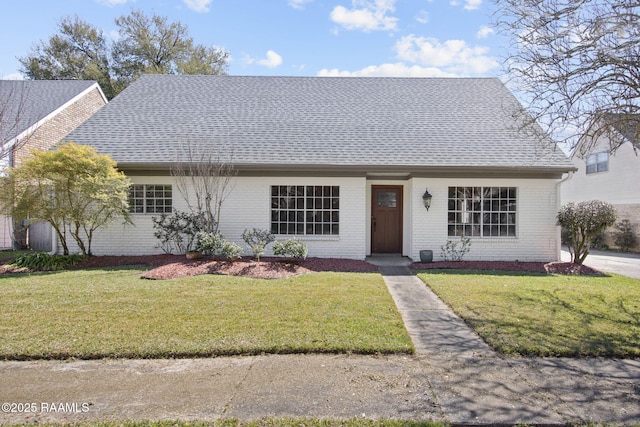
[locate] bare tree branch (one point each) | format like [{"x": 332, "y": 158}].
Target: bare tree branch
[
  {"x": 575, "y": 62},
  {"x": 204, "y": 179}
]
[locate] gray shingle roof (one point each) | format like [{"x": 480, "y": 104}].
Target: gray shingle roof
[
  {"x": 341, "y": 123},
  {"x": 25, "y": 102}
]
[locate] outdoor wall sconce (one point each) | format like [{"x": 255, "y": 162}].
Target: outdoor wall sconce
[{"x": 426, "y": 199}]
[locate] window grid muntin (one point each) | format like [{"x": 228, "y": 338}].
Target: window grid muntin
[
  {"x": 305, "y": 209},
  {"x": 150, "y": 198},
  {"x": 482, "y": 211},
  {"x": 597, "y": 162}
]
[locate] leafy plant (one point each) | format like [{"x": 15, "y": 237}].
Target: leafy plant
[
  {"x": 583, "y": 222},
  {"x": 231, "y": 251},
  {"x": 455, "y": 250},
  {"x": 177, "y": 231},
  {"x": 41, "y": 261},
  {"x": 292, "y": 248},
  {"x": 624, "y": 237},
  {"x": 257, "y": 240},
  {"x": 210, "y": 243}
]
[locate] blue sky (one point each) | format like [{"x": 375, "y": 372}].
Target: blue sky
[{"x": 293, "y": 37}]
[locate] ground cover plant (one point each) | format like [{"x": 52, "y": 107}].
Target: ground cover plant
[
  {"x": 112, "y": 312},
  {"x": 520, "y": 313}
]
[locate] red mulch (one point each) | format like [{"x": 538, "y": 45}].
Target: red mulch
[
  {"x": 531, "y": 267},
  {"x": 174, "y": 266}
]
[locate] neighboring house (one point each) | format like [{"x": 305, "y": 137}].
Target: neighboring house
[
  {"x": 35, "y": 115},
  {"x": 340, "y": 163},
  {"x": 612, "y": 178}
]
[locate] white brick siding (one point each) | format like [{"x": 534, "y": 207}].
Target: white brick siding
[
  {"x": 535, "y": 219},
  {"x": 249, "y": 205}
]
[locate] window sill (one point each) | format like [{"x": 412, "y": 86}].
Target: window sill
[{"x": 307, "y": 238}]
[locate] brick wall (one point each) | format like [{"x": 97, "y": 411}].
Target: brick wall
[{"x": 61, "y": 125}]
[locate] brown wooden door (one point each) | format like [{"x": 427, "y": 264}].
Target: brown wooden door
[{"x": 386, "y": 219}]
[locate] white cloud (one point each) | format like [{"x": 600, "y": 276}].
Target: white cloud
[
  {"x": 366, "y": 15},
  {"x": 113, "y": 2},
  {"x": 272, "y": 60},
  {"x": 13, "y": 76},
  {"x": 484, "y": 32},
  {"x": 298, "y": 4},
  {"x": 422, "y": 17},
  {"x": 468, "y": 4},
  {"x": 387, "y": 70},
  {"x": 200, "y": 6},
  {"x": 452, "y": 56}
]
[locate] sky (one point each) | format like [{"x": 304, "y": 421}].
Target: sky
[{"x": 402, "y": 38}]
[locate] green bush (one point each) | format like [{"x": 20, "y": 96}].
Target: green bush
[
  {"x": 210, "y": 243},
  {"x": 257, "y": 240},
  {"x": 231, "y": 251},
  {"x": 292, "y": 248},
  {"x": 42, "y": 261},
  {"x": 583, "y": 222},
  {"x": 177, "y": 231},
  {"x": 624, "y": 237},
  {"x": 455, "y": 251}
]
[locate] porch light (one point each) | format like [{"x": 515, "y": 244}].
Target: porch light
[{"x": 426, "y": 199}]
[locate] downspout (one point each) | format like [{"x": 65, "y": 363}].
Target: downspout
[
  {"x": 558, "y": 204},
  {"x": 54, "y": 242}
]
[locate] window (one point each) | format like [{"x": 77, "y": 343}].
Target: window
[
  {"x": 482, "y": 211},
  {"x": 598, "y": 162},
  {"x": 144, "y": 198},
  {"x": 305, "y": 209}
]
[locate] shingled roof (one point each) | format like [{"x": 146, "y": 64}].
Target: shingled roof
[
  {"x": 24, "y": 103},
  {"x": 359, "y": 124}
]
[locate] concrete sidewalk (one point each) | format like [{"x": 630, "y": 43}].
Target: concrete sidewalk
[{"x": 455, "y": 377}]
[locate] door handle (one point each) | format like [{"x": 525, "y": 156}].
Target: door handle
[{"x": 374, "y": 222}]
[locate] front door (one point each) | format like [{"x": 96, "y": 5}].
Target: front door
[{"x": 386, "y": 219}]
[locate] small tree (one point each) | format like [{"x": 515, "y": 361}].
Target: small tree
[
  {"x": 73, "y": 188},
  {"x": 204, "y": 180},
  {"x": 624, "y": 236},
  {"x": 257, "y": 240},
  {"x": 582, "y": 223}
]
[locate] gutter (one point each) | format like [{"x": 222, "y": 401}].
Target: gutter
[
  {"x": 558, "y": 204},
  {"x": 54, "y": 242}
]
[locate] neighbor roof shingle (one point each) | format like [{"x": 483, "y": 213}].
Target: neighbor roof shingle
[
  {"x": 316, "y": 121},
  {"x": 23, "y": 103}
]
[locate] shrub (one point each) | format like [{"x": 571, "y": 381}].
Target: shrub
[
  {"x": 177, "y": 231},
  {"x": 624, "y": 237},
  {"x": 292, "y": 248},
  {"x": 41, "y": 261},
  {"x": 257, "y": 240},
  {"x": 231, "y": 251},
  {"x": 210, "y": 243},
  {"x": 455, "y": 250},
  {"x": 583, "y": 222}
]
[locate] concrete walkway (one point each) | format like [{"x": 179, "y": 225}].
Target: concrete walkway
[{"x": 455, "y": 377}]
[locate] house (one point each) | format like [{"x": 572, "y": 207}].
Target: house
[
  {"x": 35, "y": 115},
  {"x": 610, "y": 177},
  {"x": 340, "y": 163}
]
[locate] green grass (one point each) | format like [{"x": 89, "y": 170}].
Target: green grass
[
  {"x": 546, "y": 315},
  {"x": 113, "y": 313}
]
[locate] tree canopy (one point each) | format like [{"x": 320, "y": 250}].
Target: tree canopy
[
  {"x": 145, "y": 45},
  {"x": 576, "y": 64},
  {"x": 73, "y": 188}
]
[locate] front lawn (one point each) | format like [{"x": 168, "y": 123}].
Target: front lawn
[
  {"x": 113, "y": 313},
  {"x": 545, "y": 315}
]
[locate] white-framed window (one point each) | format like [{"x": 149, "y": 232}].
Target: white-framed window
[
  {"x": 147, "y": 199},
  {"x": 482, "y": 211},
  {"x": 305, "y": 209},
  {"x": 597, "y": 162}
]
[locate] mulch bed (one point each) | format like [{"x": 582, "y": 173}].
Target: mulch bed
[
  {"x": 175, "y": 266},
  {"x": 530, "y": 267}
]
